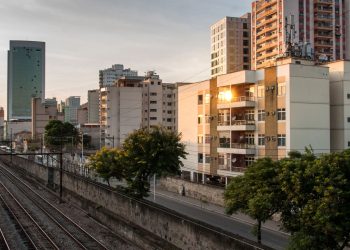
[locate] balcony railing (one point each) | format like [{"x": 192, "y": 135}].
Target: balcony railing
[
  {"x": 232, "y": 169},
  {"x": 237, "y": 99},
  {"x": 236, "y": 123},
  {"x": 237, "y": 145}
]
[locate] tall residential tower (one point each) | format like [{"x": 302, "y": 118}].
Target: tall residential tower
[{"x": 26, "y": 77}]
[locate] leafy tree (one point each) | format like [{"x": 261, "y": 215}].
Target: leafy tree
[
  {"x": 108, "y": 163},
  {"x": 317, "y": 208},
  {"x": 257, "y": 193},
  {"x": 59, "y": 133},
  {"x": 148, "y": 152}
]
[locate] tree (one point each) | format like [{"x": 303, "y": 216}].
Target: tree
[
  {"x": 317, "y": 208},
  {"x": 108, "y": 163},
  {"x": 59, "y": 133},
  {"x": 148, "y": 152},
  {"x": 257, "y": 193}
]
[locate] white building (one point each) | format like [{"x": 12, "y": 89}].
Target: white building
[
  {"x": 109, "y": 76},
  {"x": 237, "y": 118}
]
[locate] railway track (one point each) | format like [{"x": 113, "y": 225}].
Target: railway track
[
  {"x": 3, "y": 242},
  {"x": 79, "y": 237},
  {"x": 33, "y": 235}
]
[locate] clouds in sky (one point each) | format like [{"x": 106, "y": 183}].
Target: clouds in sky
[{"x": 83, "y": 36}]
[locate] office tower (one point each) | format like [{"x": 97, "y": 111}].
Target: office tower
[
  {"x": 246, "y": 115},
  {"x": 26, "y": 77},
  {"x": 42, "y": 113},
  {"x": 230, "y": 45},
  {"x": 93, "y": 106},
  {"x": 323, "y": 25},
  {"x": 108, "y": 77},
  {"x": 72, "y": 105}
]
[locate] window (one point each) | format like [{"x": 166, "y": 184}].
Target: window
[
  {"x": 153, "y": 118},
  {"x": 169, "y": 96},
  {"x": 245, "y": 51},
  {"x": 281, "y": 89},
  {"x": 207, "y": 98},
  {"x": 261, "y": 115},
  {"x": 249, "y": 115},
  {"x": 200, "y": 119},
  {"x": 152, "y": 83},
  {"x": 348, "y": 96},
  {"x": 207, "y": 139},
  {"x": 249, "y": 161},
  {"x": 170, "y": 112},
  {"x": 281, "y": 140},
  {"x": 261, "y": 91},
  {"x": 245, "y": 42},
  {"x": 207, "y": 158},
  {"x": 153, "y": 94},
  {"x": 146, "y": 110},
  {"x": 200, "y": 99},
  {"x": 348, "y": 143},
  {"x": 200, "y": 158},
  {"x": 281, "y": 114},
  {"x": 207, "y": 119},
  {"x": 169, "y": 103},
  {"x": 246, "y": 59},
  {"x": 245, "y": 26},
  {"x": 245, "y": 34},
  {"x": 250, "y": 139},
  {"x": 261, "y": 140},
  {"x": 153, "y": 102},
  {"x": 348, "y": 119},
  {"x": 200, "y": 139},
  {"x": 168, "y": 119},
  {"x": 153, "y": 110}
]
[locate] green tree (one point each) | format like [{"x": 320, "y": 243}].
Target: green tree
[
  {"x": 317, "y": 208},
  {"x": 58, "y": 132},
  {"x": 148, "y": 152},
  {"x": 257, "y": 193},
  {"x": 108, "y": 163}
]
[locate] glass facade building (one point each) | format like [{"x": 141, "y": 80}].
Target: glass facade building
[{"x": 26, "y": 77}]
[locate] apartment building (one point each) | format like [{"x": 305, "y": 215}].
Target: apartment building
[
  {"x": 230, "y": 45},
  {"x": 242, "y": 116},
  {"x": 134, "y": 102},
  {"x": 42, "y": 113},
  {"x": 108, "y": 77},
  {"x": 321, "y": 24},
  {"x": 93, "y": 106},
  {"x": 83, "y": 113}
]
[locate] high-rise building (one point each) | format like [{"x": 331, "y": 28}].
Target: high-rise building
[
  {"x": 230, "y": 45},
  {"x": 243, "y": 116},
  {"x": 93, "y": 106},
  {"x": 2, "y": 116},
  {"x": 109, "y": 76},
  {"x": 72, "y": 105},
  {"x": 323, "y": 25},
  {"x": 26, "y": 77}
]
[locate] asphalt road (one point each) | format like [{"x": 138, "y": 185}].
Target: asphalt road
[{"x": 271, "y": 238}]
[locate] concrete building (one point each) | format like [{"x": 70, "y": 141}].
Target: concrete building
[
  {"x": 322, "y": 24},
  {"x": 230, "y": 45},
  {"x": 93, "y": 106},
  {"x": 42, "y": 113},
  {"x": 135, "y": 102},
  {"x": 25, "y": 77},
  {"x": 92, "y": 130},
  {"x": 83, "y": 114},
  {"x": 108, "y": 77},
  {"x": 246, "y": 115},
  {"x": 14, "y": 128},
  {"x": 71, "y": 107}
]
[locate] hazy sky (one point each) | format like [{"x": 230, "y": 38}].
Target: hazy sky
[{"x": 83, "y": 36}]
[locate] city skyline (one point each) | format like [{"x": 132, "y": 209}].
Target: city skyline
[{"x": 139, "y": 38}]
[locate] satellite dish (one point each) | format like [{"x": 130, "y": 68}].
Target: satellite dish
[
  {"x": 234, "y": 118},
  {"x": 323, "y": 58},
  {"x": 234, "y": 160}
]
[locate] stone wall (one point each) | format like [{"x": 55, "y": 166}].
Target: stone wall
[
  {"x": 206, "y": 193},
  {"x": 135, "y": 219}
]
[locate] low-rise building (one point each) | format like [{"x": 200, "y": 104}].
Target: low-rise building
[
  {"x": 42, "y": 113},
  {"x": 83, "y": 113},
  {"x": 237, "y": 118}
]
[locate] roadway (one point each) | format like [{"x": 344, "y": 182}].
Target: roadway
[{"x": 242, "y": 226}]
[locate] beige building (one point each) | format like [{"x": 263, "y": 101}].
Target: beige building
[
  {"x": 230, "y": 45},
  {"x": 246, "y": 115},
  {"x": 83, "y": 113},
  {"x": 93, "y": 106},
  {"x": 42, "y": 113},
  {"x": 324, "y": 25}
]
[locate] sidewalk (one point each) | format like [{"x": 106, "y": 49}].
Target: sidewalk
[{"x": 269, "y": 225}]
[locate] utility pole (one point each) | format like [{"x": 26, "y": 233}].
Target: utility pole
[
  {"x": 11, "y": 145},
  {"x": 82, "y": 149},
  {"x": 61, "y": 169}
]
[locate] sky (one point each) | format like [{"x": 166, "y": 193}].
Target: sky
[{"x": 83, "y": 36}]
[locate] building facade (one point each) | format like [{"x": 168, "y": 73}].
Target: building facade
[
  {"x": 243, "y": 116},
  {"x": 93, "y": 106},
  {"x": 2, "y": 121},
  {"x": 108, "y": 77},
  {"x": 71, "y": 107},
  {"x": 83, "y": 113},
  {"x": 322, "y": 25},
  {"x": 42, "y": 113},
  {"x": 25, "y": 77},
  {"x": 230, "y": 45}
]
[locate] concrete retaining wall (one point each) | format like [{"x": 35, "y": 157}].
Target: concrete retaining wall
[
  {"x": 206, "y": 193},
  {"x": 138, "y": 219}
]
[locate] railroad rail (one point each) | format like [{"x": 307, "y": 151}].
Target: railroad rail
[
  {"x": 81, "y": 238},
  {"x": 3, "y": 241}
]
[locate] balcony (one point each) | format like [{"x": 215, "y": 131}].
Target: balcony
[
  {"x": 237, "y": 102},
  {"x": 225, "y": 170},
  {"x": 236, "y": 125},
  {"x": 236, "y": 148}
]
